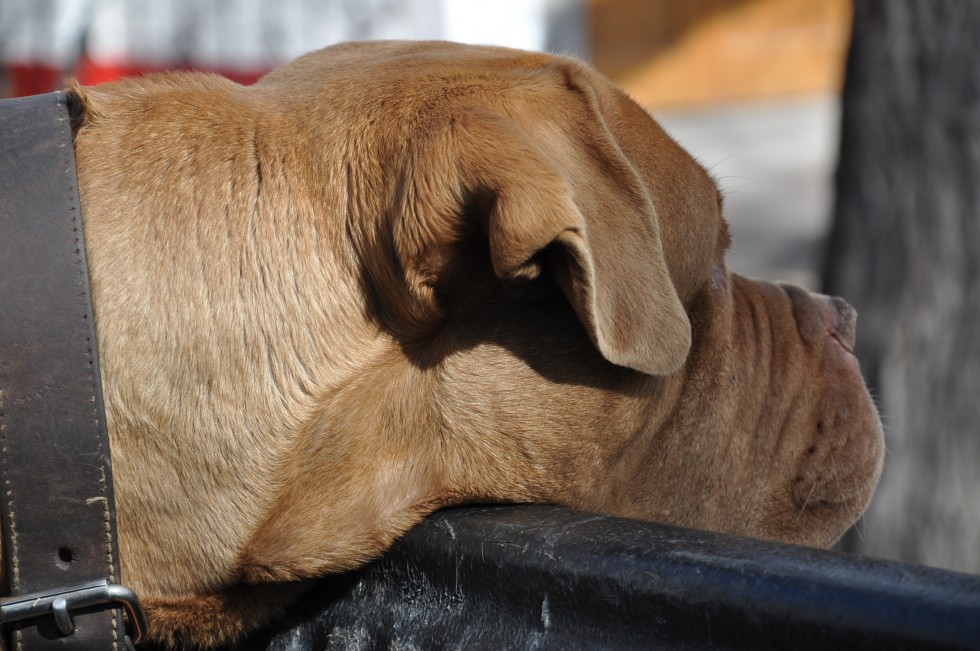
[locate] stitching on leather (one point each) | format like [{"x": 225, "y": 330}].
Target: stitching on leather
[
  {"x": 14, "y": 558},
  {"x": 83, "y": 297}
]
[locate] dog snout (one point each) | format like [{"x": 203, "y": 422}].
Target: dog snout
[
  {"x": 819, "y": 315},
  {"x": 843, "y": 321}
]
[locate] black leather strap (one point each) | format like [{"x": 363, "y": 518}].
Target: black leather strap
[{"x": 58, "y": 512}]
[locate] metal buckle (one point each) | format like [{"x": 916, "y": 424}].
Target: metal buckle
[{"x": 60, "y": 603}]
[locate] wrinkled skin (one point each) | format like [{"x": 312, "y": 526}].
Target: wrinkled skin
[{"x": 392, "y": 277}]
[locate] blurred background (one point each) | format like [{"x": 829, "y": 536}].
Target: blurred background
[{"x": 850, "y": 165}]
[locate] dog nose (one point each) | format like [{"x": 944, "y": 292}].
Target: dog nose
[
  {"x": 819, "y": 315},
  {"x": 843, "y": 321}
]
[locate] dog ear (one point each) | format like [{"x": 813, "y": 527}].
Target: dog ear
[{"x": 599, "y": 232}]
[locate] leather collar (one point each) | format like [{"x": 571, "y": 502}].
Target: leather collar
[{"x": 59, "y": 525}]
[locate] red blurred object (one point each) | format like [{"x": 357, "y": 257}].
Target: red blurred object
[
  {"x": 33, "y": 79},
  {"x": 90, "y": 72},
  {"x": 36, "y": 78}
]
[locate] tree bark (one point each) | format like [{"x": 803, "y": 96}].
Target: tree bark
[{"x": 905, "y": 250}]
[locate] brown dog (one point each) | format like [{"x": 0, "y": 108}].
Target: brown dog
[{"x": 392, "y": 277}]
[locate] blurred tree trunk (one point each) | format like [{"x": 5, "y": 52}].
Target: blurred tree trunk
[{"x": 905, "y": 250}]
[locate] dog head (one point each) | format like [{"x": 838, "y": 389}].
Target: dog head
[{"x": 392, "y": 277}]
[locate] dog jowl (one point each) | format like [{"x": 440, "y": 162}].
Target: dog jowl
[{"x": 392, "y": 277}]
